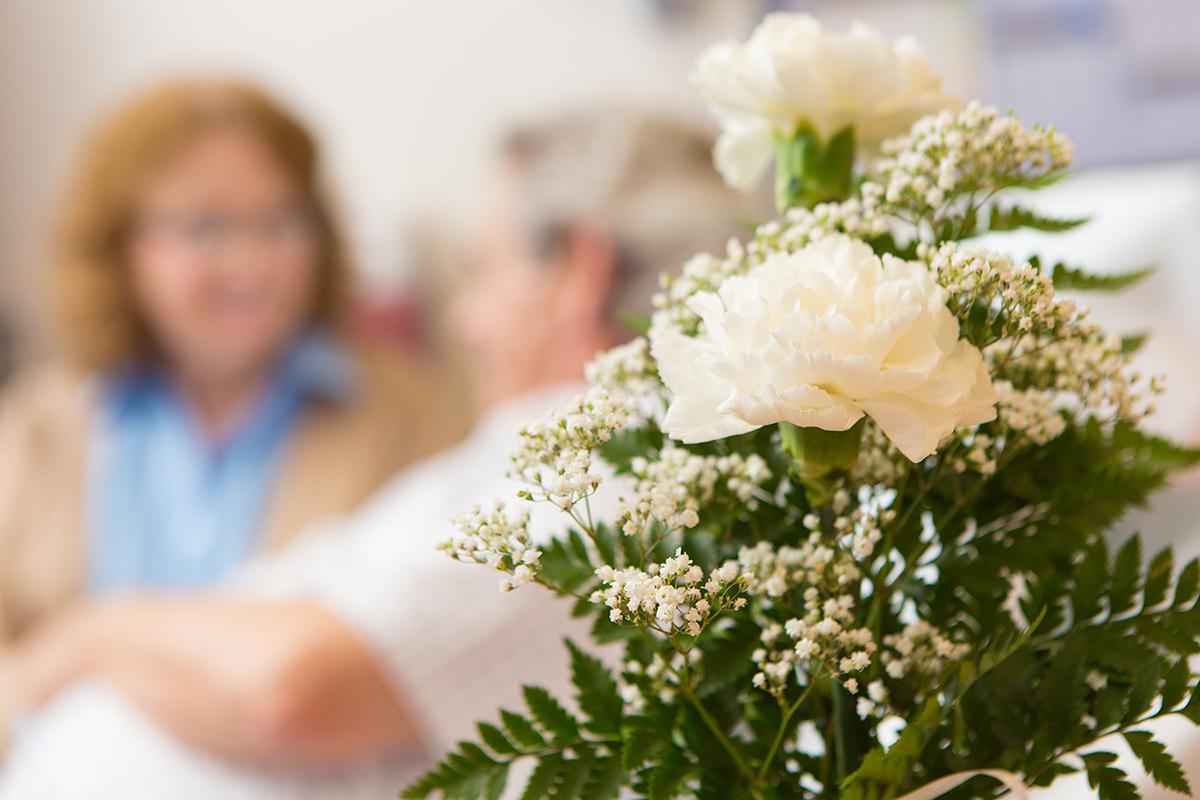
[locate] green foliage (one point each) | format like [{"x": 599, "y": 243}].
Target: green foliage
[
  {"x": 666, "y": 777},
  {"x": 1072, "y": 279},
  {"x": 1033, "y": 182},
  {"x": 1164, "y": 769},
  {"x": 1012, "y": 218},
  {"x": 468, "y": 773},
  {"x": 727, "y": 657},
  {"x": 598, "y": 697},
  {"x": 1110, "y": 783},
  {"x": 575, "y": 758},
  {"x": 1131, "y": 343},
  {"x": 551, "y": 716}
]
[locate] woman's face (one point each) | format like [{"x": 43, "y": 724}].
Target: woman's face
[{"x": 223, "y": 257}]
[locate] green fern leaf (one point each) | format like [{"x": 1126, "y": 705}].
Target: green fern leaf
[
  {"x": 521, "y": 730},
  {"x": 1159, "y": 764},
  {"x": 1015, "y": 217},
  {"x": 1187, "y": 584},
  {"x": 550, "y": 715},
  {"x": 605, "y": 781},
  {"x": 666, "y": 777},
  {"x": 1175, "y": 684},
  {"x": 1072, "y": 279},
  {"x": 574, "y": 777},
  {"x": 543, "y": 777},
  {"x": 639, "y": 740},
  {"x": 1142, "y": 693},
  {"x": 598, "y": 696},
  {"x": 727, "y": 656},
  {"x": 1110, "y": 782},
  {"x": 1126, "y": 576},
  {"x": 495, "y": 739},
  {"x": 1158, "y": 578}
]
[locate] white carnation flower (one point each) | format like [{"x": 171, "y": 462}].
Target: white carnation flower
[
  {"x": 793, "y": 72},
  {"x": 819, "y": 338}
]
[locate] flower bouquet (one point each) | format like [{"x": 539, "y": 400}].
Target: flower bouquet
[{"x": 867, "y": 472}]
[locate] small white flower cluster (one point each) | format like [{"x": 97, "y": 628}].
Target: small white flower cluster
[
  {"x": 823, "y": 641},
  {"x": 702, "y": 273},
  {"x": 879, "y": 462},
  {"x": 859, "y": 530},
  {"x": 920, "y": 648},
  {"x": 826, "y": 633},
  {"x": 672, "y": 597},
  {"x": 771, "y": 573},
  {"x": 632, "y": 698},
  {"x": 671, "y": 489},
  {"x": 626, "y": 369},
  {"x": 966, "y": 154},
  {"x": 977, "y": 451},
  {"x": 1018, "y": 298},
  {"x": 1024, "y": 416},
  {"x": 656, "y": 681},
  {"x": 1031, "y": 413},
  {"x": 492, "y": 538},
  {"x": 555, "y": 456},
  {"x": 1038, "y": 341},
  {"x": 774, "y": 661},
  {"x": 1084, "y": 366},
  {"x": 802, "y": 226},
  {"x": 874, "y": 702}
]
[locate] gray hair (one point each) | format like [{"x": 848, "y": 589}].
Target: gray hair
[{"x": 645, "y": 180}]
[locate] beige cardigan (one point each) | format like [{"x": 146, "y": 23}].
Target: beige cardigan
[{"x": 337, "y": 455}]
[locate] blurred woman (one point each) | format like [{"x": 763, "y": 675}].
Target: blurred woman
[{"x": 203, "y": 405}]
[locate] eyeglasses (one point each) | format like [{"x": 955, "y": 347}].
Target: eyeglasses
[{"x": 212, "y": 234}]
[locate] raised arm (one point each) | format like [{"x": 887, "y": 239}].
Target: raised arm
[{"x": 258, "y": 680}]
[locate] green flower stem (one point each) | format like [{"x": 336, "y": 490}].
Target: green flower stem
[
  {"x": 808, "y": 171},
  {"x": 819, "y": 455},
  {"x": 841, "y": 733},
  {"x": 939, "y": 525},
  {"x": 784, "y": 727},
  {"x": 715, "y": 727},
  {"x": 685, "y": 688}
]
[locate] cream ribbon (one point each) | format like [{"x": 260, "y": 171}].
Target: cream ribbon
[{"x": 942, "y": 785}]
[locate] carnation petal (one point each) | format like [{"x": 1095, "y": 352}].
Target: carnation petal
[
  {"x": 693, "y": 414},
  {"x": 914, "y": 427},
  {"x": 743, "y": 153}
]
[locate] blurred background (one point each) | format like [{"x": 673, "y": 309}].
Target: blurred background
[{"x": 408, "y": 99}]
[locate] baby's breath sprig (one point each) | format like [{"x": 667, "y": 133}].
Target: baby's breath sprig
[
  {"x": 629, "y": 372},
  {"x": 672, "y": 488},
  {"x": 496, "y": 539},
  {"x": 554, "y": 456},
  {"x": 939, "y": 174},
  {"x": 674, "y": 597}
]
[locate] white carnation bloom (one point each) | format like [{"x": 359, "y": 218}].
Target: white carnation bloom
[
  {"x": 792, "y": 71},
  {"x": 819, "y": 338}
]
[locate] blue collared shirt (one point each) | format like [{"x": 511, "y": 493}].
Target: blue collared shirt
[{"x": 169, "y": 507}]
